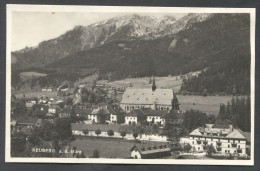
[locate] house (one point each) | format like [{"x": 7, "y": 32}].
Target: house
[
  {"x": 25, "y": 124},
  {"x": 145, "y": 115},
  {"x": 224, "y": 138},
  {"x": 156, "y": 116},
  {"x": 65, "y": 113},
  {"x": 97, "y": 115},
  {"x": 115, "y": 114},
  {"x": 135, "y": 116},
  {"x": 54, "y": 109},
  {"x": 30, "y": 103},
  {"x": 174, "y": 117},
  {"x": 156, "y": 99},
  {"x": 82, "y": 112},
  {"x": 147, "y": 151}
]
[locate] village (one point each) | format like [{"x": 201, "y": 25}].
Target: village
[{"x": 138, "y": 123}]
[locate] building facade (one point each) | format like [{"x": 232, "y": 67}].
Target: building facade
[{"x": 225, "y": 140}]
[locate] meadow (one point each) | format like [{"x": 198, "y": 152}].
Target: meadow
[
  {"x": 27, "y": 75},
  {"x": 107, "y": 147},
  {"x": 208, "y": 104},
  {"x": 36, "y": 94}
]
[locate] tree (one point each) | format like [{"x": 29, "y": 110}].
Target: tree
[
  {"x": 56, "y": 146},
  {"x": 110, "y": 133},
  {"x": 135, "y": 135},
  {"x": 123, "y": 134},
  {"x": 34, "y": 140},
  {"x": 155, "y": 129},
  {"x": 95, "y": 154},
  {"x": 210, "y": 149},
  {"x": 63, "y": 128},
  {"x": 97, "y": 132},
  {"x": 187, "y": 148},
  {"x": 85, "y": 132}
]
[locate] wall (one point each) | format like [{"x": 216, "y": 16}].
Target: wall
[{"x": 129, "y": 136}]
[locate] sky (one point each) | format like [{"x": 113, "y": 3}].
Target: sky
[{"x": 31, "y": 28}]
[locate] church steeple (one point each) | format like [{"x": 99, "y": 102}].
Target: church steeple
[
  {"x": 175, "y": 102},
  {"x": 153, "y": 86}
]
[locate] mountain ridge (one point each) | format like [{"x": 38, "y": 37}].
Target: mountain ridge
[{"x": 82, "y": 38}]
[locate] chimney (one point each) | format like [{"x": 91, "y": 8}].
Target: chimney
[{"x": 231, "y": 128}]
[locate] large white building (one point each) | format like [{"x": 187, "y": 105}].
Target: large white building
[
  {"x": 225, "y": 140},
  {"x": 136, "y": 98}
]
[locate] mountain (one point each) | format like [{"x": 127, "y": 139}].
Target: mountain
[
  {"x": 136, "y": 46},
  {"x": 84, "y": 38},
  {"x": 220, "y": 43}
]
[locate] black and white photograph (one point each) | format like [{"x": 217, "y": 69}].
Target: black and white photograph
[{"x": 130, "y": 85}]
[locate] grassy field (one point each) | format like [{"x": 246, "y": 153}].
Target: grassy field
[
  {"x": 36, "y": 94},
  {"x": 161, "y": 82},
  {"x": 26, "y": 75},
  {"x": 208, "y": 104},
  {"x": 115, "y": 148}
]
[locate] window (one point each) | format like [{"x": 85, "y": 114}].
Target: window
[
  {"x": 228, "y": 140},
  {"x": 198, "y": 148},
  {"x": 228, "y": 146}
]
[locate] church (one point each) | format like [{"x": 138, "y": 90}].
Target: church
[{"x": 156, "y": 99}]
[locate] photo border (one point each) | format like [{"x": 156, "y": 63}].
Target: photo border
[{"x": 71, "y": 8}]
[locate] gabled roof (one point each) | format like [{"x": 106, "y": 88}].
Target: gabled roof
[
  {"x": 151, "y": 112},
  {"x": 55, "y": 106},
  {"x": 149, "y": 148},
  {"x": 66, "y": 110},
  {"x": 236, "y": 134},
  {"x": 147, "y": 96},
  {"x": 27, "y": 120},
  {"x": 136, "y": 113},
  {"x": 83, "y": 111},
  {"x": 97, "y": 111},
  {"x": 196, "y": 132}
]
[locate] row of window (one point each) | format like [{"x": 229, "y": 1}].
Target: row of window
[
  {"x": 127, "y": 108},
  {"x": 217, "y": 139}
]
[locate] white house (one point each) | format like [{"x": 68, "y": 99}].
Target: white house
[{"x": 225, "y": 139}]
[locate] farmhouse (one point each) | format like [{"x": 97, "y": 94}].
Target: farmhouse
[
  {"x": 47, "y": 89},
  {"x": 156, "y": 99},
  {"x": 97, "y": 115},
  {"x": 82, "y": 112},
  {"x": 54, "y": 109},
  {"x": 136, "y": 116},
  {"x": 65, "y": 113},
  {"x": 156, "y": 116},
  {"x": 224, "y": 138},
  {"x": 30, "y": 103},
  {"x": 25, "y": 124},
  {"x": 150, "y": 151},
  {"x": 115, "y": 114}
]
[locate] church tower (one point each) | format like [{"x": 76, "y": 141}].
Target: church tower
[
  {"x": 153, "y": 86},
  {"x": 175, "y": 102}
]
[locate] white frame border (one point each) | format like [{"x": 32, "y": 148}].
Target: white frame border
[{"x": 72, "y": 8}]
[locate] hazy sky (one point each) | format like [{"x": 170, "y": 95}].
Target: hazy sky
[{"x": 30, "y": 28}]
